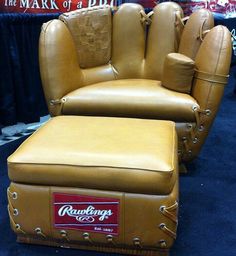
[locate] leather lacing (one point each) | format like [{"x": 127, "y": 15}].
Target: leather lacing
[
  {"x": 180, "y": 20},
  {"x": 39, "y": 232},
  {"x": 192, "y": 133},
  {"x": 87, "y": 238},
  {"x": 193, "y": 130},
  {"x": 16, "y": 225},
  {"x": 168, "y": 231},
  {"x": 186, "y": 145},
  {"x": 146, "y": 18},
  {"x": 198, "y": 112},
  {"x": 212, "y": 78},
  {"x": 10, "y": 208},
  {"x": 59, "y": 102},
  {"x": 202, "y": 114},
  {"x": 12, "y": 194},
  {"x": 202, "y": 33},
  {"x": 167, "y": 211}
]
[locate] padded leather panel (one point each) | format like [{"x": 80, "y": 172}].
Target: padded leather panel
[
  {"x": 128, "y": 41},
  {"x": 132, "y": 98},
  {"x": 91, "y": 31},
  {"x": 138, "y": 213},
  {"x": 198, "y": 22},
  {"x": 101, "y": 153},
  {"x": 163, "y": 36},
  {"x": 98, "y": 74},
  {"x": 59, "y": 74},
  {"x": 178, "y": 72}
]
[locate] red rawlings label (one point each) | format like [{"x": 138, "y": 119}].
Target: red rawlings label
[{"x": 86, "y": 213}]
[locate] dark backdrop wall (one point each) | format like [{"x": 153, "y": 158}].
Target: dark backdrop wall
[{"x": 21, "y": 95}]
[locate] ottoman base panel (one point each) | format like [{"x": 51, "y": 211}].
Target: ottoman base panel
[
  {"x": 109, "y": 221},
  {"x": 99, "y": 248}
]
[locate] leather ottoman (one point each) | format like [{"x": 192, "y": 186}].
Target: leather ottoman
[{"x": 97, "y": 183}]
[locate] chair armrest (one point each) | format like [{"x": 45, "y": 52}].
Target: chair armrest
[
  {"x": 178, "y": 72},
  {"x": 212, "y": 63},
  {"x": 59, "y": 68},
  {"x": 212, "y": 69}
]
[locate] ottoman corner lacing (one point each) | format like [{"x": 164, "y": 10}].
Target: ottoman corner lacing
[
  {"x": 167, "y": 211},
  {"x": 11, "y": 208},
  {"x": 168, "y": 231}
]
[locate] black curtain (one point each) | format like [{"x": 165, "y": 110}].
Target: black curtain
[{"x": 21, "y": 95}]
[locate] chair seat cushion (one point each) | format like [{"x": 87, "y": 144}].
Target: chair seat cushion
[
  {"x": 140, "y": 98},
  {"x": 115, "y": 154}
]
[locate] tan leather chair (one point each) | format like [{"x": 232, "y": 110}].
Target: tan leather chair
[{"x": 131, "y": 64}]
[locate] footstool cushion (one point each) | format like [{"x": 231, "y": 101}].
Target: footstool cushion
[{"x": 100, "y": 183}]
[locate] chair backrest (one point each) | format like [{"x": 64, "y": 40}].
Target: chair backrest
[
  {"x": 91, "y": 29},
  {"x": 95, "y": 45},
  {"x": 130, "y": 44},
  {"x": 123, "y": 44}
]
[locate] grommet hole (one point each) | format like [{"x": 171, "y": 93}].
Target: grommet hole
[
  {"x": 162, "y": 208},
  {"x": 162, "y": 243},
  {"x": 137, "y": 242},
  {"x": 162, "y": 225},
  {"x": 17, "y": 226},
  {"x": 15, "y": 212},
  {"x": 38, "y": 230},
  {"x": 201, "y": 128},
  {"x": 14, "y": 195}
]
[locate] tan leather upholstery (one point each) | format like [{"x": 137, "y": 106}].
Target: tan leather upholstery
[
  {"x": 133, "y": 161},
  {"x": 128, "y": 42},
  {"x": 91, "y": 31},
  {"x": 130, "y": 98},
  {"x": 138, "y": 48},
  {"x": 208, "y": 90},
  {"x": 178, "y": 72},
  {"x": 116, "y": 149},
  {"x": 191, "y": 39},
  {"x": 163, "y": 38}
]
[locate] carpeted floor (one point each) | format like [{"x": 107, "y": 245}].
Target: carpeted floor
[{"x": 207, "y": 218}]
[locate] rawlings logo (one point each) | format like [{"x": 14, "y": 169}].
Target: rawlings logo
[{"x": 84, "y": 215}]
